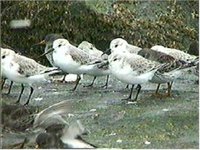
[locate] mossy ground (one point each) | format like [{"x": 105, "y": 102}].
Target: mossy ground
[{"x": 150, "y": 123}]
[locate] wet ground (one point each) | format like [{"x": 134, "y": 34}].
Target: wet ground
[{"x": 152, "y": 122}]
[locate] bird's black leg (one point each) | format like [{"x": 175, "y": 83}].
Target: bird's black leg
[
  {"x": 138, "y": 91},
  {"x": 129, "y": 97},
  {"x": 169, "y": 88},
  {"x": 77, "y": 82},
  {"x": 63, "y": 80},
  {"x": 106, "y": 85},
  {"x": 11, "y": 83},
  {"x": 31, "y": 92},
  {"x": 127, "y": 86},
  {"x": 22, "y": 90},
  {"x": 157, "y": 88},
  {"x": 91, "y": 83}
]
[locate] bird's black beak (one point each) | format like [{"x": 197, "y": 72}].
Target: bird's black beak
[
  {"x": 48, "y": 51},
  {"x": 108, "y": 51}
]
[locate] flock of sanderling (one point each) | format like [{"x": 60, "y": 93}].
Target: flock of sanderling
[{"x": 128, "y": 63}]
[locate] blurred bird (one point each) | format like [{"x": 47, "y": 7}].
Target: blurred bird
[
  {"x": 63, "y": 137},
  {"x": 57, "y": 132}
]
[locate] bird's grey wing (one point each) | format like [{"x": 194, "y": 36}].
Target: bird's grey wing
[
  {"x": 78, "y": 55},
  {"x": 133, "y": 49},
  {"x": 72, "y": 136},
  {"x": 142, "y": 65},
  {"x": 27, "y": 66},
  {"x": 155, "y": 55},
  {"x": 52, "y": 112},
  {"x": 176, "y": 65},
  {"x": 75, "y": 129},
  {"x": 83, "y": 57}
]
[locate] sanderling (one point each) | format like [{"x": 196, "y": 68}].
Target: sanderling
[
  {"x": 194, "y": 48},
  {"x": 3, "y": 77},
  {"x": 132, "y": 69},
  {"x": 52, "y": 114},
  {"x": 74, "y": 60},
  {"x": 49, "y": 39},
  {"x": 67, "y": 137},
  {"x": 172, "y": 69},
  {"x": 24, "y": 70},
  {"x": 92, "y": 50},
  {"x": 177, "y": 54},
  {"x": 119, "y": 44},
  {"x": 56, "y": 128},
  {"x": 49, "y": 44}
]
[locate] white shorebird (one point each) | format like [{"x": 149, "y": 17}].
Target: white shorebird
[
  {"x": 48, "y": 41},
  {"x": 3, "y": 77},
  {"x": 24, "y": 70},
  {"x": 173, "y": 69},
  {"x": 118, "y": 44},
  {"x": 74, "y": 60},
  {"x": 92, "y": 50},
  {"x": 177, "y": 54},
  {"x": 166, "y": 73},
  {"x": 132, "y": 69}
]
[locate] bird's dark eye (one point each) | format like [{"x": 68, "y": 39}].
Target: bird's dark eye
[
  {"x": 115, "y": 59},
  {"x": 3, "y": 56},
  {"x": 59, "y": 45},
  {"x": 116, "y": 45}
]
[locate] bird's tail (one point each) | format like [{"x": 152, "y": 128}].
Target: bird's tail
[{"x": 52, "y": 71}]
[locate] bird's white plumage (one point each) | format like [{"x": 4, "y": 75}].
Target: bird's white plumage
[
  {"x": 24, "y": 70},
  {"x": 90, "y": 48},
  {"x": 74, "y": 60},
  {"x": 128, "y": 68},
  {"x": 120, "y": 45},
  {"x": 177, "y": 54}
]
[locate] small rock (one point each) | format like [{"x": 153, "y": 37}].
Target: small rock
[
  {"x": 119, "y": 141},
  {"x": 165, "y": 109},
  {"x": 38, "y": 99},
  {"x": 147, "y": 142},
  {"x": 129, "y": 103},
  {"x": 111, "y": 134},
  {"x": 70, "y": 115},
  {"x": 93, "y": 110}
]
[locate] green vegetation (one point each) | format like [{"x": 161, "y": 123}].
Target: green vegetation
[{"x": 143, "y": 23}]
